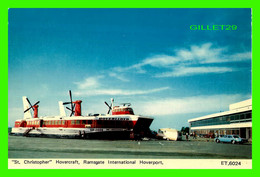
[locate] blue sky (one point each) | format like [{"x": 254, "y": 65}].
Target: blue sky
[{"x": 149, "y": 57}]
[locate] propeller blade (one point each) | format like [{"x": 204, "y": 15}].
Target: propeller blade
[
  {"x": 68, "y": 108},
  {"x": 72, "y": 112},
  {"x": 71, "y": 104},
  {"x": 30, "y": 104},
  {"x": 110, "y": 108},
  {"x": 70, "y": 96},
  {"x": 108, "y": 105},
  {"x": 27, "y": 109},
  {"x": 72, "y": 108},
  {"x": 66, "y": 103},
  {"x": 36, "y": 103}
]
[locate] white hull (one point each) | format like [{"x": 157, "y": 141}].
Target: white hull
[{"x": 66, "y": 132}]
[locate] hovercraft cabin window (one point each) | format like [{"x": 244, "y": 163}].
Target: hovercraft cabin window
[{"x": 72, "y": 122}]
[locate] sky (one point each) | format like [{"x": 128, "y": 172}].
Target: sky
[{"x": 148, "y": 57}]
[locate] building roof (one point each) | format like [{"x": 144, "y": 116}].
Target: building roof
[{"x": 242, "y": 106}]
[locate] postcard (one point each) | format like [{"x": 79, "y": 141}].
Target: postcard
[{"x": 130, "y": 88}]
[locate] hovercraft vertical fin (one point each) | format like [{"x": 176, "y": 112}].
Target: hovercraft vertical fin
[
  {"x": 26, "y": 106},
  {"x": 62, "y": 110}
]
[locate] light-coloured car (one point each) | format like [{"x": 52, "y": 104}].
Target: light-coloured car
[{"x": 230, "y": 139}]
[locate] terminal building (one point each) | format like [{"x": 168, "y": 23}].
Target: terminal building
[{"x": 238, "y": 120}]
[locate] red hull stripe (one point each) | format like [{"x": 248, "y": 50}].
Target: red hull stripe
[{"x": 76, "y": 123}]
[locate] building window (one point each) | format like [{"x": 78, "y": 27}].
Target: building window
[
  {"x": 249, "y": 115},
  {"x": 235, "y": 118},
  {"x": 228, "y": 118},
  {"x": 242, "y": 116}
]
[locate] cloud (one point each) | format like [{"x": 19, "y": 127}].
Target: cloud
[
  {"x": 240, "y": 56},
  {"x": 196, "y": 104},
  {"x": 118, "y": 76},
  {"x": 92, "y": 86},
  {"x": 187, "y": 62},
  {"x": 187, "y": 71},
  {"x": 117, "y": 92},
  {"x": 161, "y": 61},
  {"x": 90, "y": 82}
]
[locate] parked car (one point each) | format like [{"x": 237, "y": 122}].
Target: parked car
[{"x": 230, "y": 139}]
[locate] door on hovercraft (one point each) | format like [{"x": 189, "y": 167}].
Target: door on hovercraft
[{"x": 23, "y": 123}]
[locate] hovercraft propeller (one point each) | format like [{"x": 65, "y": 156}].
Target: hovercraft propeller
[
  {"x": 108, "y": 107},
  {"x": 111, "y": 105},
  {"x": 33, "y": 107},
  {"x": 71, "y": 104}
]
